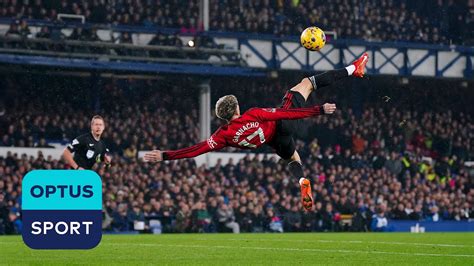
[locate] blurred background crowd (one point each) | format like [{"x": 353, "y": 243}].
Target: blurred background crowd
[
  {"x": 438, "y": 22},
  {"x": 391, "y": 151}
]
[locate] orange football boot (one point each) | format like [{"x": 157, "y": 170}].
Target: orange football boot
[
  {"x": 306, "y": 194},
  {"x": 360, "y": 65}
]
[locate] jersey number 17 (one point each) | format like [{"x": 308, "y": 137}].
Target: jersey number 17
[{"x": 245, "y": 142}]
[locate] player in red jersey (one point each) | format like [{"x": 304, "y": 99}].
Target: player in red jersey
[{"x": 272, "y": 126}]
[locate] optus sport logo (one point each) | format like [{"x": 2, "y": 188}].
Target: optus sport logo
[{"x": 62, "y": 209}]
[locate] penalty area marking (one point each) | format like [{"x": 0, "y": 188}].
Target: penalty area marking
[
  {"x": 352, "y": 242},
  {"x": 292, "y": 249}
]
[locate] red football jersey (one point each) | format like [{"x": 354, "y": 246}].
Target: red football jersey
[{"x": 254, "y": 128}]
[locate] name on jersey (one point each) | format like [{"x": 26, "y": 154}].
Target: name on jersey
[{"x": 244, "y": 128}]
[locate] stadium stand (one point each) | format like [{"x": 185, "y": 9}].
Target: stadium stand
[
  {"x": 374, "y": 156},
  {"x": 260, "y": 193},
  {"x": 28, "y": 118},
  {"x": 440, "y": 22}
]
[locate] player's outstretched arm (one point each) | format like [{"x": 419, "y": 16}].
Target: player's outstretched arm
[
  {"x": 329, "y": 108},
  {"x": 153, "y": 156},
  {"x": 215, "y": 142},
  {"x": 269, "y": 114}
]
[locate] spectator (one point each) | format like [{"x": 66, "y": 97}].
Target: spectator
[
  {"x": 135, "y": 215},
  {"x": 120, "y": 222},
  {"x": 16, "y": 223},
  {"x": 43, "y": 144},
  {"x": 358, "y": 144},
  {"x": 183, "y": 219},
  {"x": 329, "y": 219},
  {"x": 244, "y": 219},
  {"x": 379, "y": 221},
  {"x": 399, "y": 213},
  {"x": 417, "y": 214},
  {"x": 24, "y": 29},
  {"x": 434, "y": 214},
  {"x": 201, "y": 218},
  {"x": 44, "y": 33},
  {"x": 78, "y": 34},
  {"x": 13, "y": 31},
  {"x": 226, "y": 218},
  {"x": 130, "y": 152},
  {"x": 292, "y": 220},
  {"x": 274, "y": 222},
  {"x": 4, "y": 211},
  {"x": 394, "y": 165}
]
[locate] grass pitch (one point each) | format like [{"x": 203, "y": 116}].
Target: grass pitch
[{"x": 245, "y": 249}]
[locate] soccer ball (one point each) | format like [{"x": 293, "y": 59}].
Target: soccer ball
[{"x": 313, "y": 38}]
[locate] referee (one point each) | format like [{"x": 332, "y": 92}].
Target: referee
[{"x": 88, "y": 148}]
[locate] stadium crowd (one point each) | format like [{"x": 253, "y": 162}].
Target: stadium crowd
[
  {"x": 258, "y": 195},
  {"x": 364, "y": 161},
  {"x": 156, "y": 120},
  {"x": 440, "y": 22}
]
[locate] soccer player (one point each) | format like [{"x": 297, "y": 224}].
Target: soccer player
[
  {"x": 88, "y": 148},
  {"x": 272, "y": 126}
]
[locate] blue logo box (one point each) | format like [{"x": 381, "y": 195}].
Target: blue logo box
[{"x": 62, "y": 209}]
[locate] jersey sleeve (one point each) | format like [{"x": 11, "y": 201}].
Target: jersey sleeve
[
  {"x": 271, "y": 114},
  {"x": 75, "y": 144},
  {"x": 214, "y": 143}
]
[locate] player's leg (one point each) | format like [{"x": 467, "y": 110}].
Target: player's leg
[
  {"x": 285, "y": 147},
  {"x": 308, "y": 85},
  {"x": 296, "y": 170}
]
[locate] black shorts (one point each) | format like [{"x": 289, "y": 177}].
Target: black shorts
[{"x": 283, "y": 142}]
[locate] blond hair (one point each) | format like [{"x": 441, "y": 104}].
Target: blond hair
[
  {"x": 226, "y": 107},
  {"x": 97, "y": 117}
]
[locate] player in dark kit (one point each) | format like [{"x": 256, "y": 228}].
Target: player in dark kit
[
  {"x": 88, "y": 148},
  {"x": 273, "y": 126}
]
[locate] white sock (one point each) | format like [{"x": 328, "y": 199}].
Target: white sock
[
  {"x": 301, "y": 180},
  {"x": 350, "y": 69}
]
